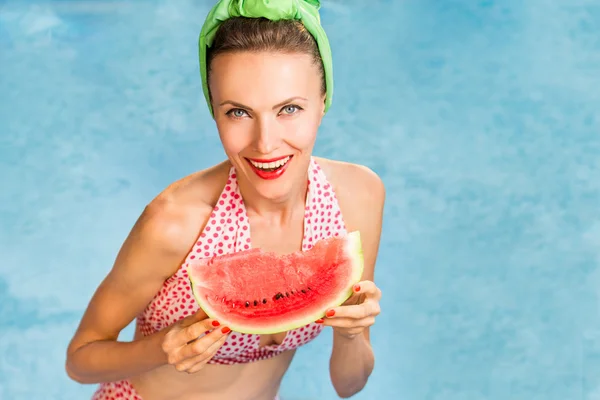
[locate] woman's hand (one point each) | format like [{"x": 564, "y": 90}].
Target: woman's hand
[
  {"x": 357, "y": 313},
  {"x": 184, "y": 347}
]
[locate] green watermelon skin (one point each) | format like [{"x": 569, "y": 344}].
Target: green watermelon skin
[{"x": 260, "y": 292}]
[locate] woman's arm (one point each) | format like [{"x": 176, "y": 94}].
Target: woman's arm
[
  {"x": 152, "y": 252},
  {"x": 361, "y": 195},
  {"x": 351, "y": 363}
]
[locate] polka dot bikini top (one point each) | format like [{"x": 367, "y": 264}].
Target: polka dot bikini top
[{"x": 228, "y": 231}]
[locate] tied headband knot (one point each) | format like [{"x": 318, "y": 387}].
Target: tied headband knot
[
  {"x": 270, "y": 9},
  {"x": 305, "y": 11}
]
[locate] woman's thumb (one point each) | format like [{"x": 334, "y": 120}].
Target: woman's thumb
[{"x": 191, "y": 319}]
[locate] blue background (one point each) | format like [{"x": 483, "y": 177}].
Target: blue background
[{"x": 482, "y": 117}]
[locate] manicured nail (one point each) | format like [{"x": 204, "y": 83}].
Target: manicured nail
[
  {"x": 320, "y": 321},
  {"x": 357, "y": 287},
  {"x": 225, "y": 330},
  {"x": 330, "y": 313},
  {"x": 215, "y": 323}
]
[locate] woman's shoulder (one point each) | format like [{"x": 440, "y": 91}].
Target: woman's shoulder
[
  {"x": 359, "y": 190},
  {"x": 198, "y": 189},
  {"x": 178, "y": 213},
  {"x": 351, "y": 179}
]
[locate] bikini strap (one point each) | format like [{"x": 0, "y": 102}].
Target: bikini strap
[{"x": 323, "y": 216}]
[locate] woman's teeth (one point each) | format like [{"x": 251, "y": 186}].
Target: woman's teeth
[{"x": 271, "y": 165}]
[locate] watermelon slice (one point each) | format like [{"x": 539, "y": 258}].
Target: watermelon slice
[{"x": 255, "y": 291}]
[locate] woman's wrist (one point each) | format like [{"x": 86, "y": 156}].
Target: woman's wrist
[
  {"x": 153, "y": 346},
  {"x": 347, "y": 340}
]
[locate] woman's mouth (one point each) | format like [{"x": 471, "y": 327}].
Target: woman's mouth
[{"x": 269, "y": 169}]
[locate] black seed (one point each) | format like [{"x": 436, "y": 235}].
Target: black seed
[
  {"x": 287, "y": 294},
  {"x": 264, "y": 301},
  {"x": 247, "y": 304},
  {"x": 292, "y": 292},
  {"x": 255, "y": 302},
  {"x": 309, "y": 288},
  {"x": 303, "y": 291},
  {"x": 278, "y": 296}
]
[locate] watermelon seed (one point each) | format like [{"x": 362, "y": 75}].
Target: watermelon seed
[
  {"x": 309, "y": 288},
  {"x": 255, "y": 303},
  {"x": 247, "y": 304},
  {"x": 264, "y": 301},
  {"x": 287, "y": 294},
  {"x": 303, "y": 291},
  {"x": 278, "y": 296}
]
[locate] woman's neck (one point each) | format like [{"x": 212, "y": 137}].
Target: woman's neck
[{"x": 278, "y": 211}]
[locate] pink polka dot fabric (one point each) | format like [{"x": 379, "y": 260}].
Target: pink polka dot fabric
[
  {"x": 228, "y": 231},
  {"x": 116, "y": 391}
]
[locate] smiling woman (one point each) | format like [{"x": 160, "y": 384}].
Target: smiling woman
[
  {"x": 266, "y": 71},
  {"x": 267, "y": 125},
  {"x": 252, "y": 53}
]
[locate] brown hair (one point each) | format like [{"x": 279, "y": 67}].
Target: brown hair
[{"x": 260, "y": 34}]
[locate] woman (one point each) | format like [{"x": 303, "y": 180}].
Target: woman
[{"x": 267, "y": 80}]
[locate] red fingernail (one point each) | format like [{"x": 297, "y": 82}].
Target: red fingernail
[
  {"x": 357, "y": 287},
  {"x": 320, "y": 321},
  {"x": 330, "y": 313},
  {"x": 225, "y": 330},
  {"x": 215, "y": 323}
]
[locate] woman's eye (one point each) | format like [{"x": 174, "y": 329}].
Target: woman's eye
[
  {"x": 237, "y": 112},
  {"x": 290, "y": 109}
]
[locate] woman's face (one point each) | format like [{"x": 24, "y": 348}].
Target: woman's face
[{"x": 267, "y": 107}]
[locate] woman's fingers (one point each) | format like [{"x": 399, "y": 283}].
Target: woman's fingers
[
  {"x": 367, "y": 288},
  {"x": 181, "y": 335},
  {"x": 191, "y": 337},
  {"x": 198, "y": 362},
  {"x": 200, "y": 345},
  {"x": 358, "y": 311},
  {"x": 349, "y": 323},
  {"x": 194, "y": 331}
]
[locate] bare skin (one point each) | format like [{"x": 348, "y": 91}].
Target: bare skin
[{"x": 170, "y": 364}]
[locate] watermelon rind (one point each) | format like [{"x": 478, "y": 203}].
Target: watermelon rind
[{"x": 353, "y": 249}]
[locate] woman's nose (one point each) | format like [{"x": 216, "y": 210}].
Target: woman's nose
[{"x": 267, "y": 136}]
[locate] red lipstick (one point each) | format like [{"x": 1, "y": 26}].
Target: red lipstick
[{"x": 269, "y": 174}]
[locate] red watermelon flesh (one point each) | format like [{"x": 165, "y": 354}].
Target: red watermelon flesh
[{"x": 256, "y": 291}]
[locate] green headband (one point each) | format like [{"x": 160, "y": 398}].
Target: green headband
[{"x": 305, "y": 11}]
